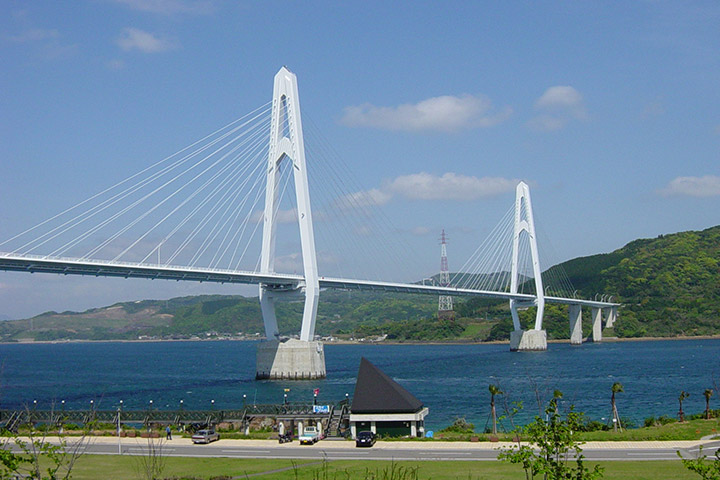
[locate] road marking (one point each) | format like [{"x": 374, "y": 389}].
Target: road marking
[
  {"x": 438, "y": 453},
  {"x": 648, "y": 453},
  {"x": 144, "y": 450},
  {"x": 245, "y": 451}
]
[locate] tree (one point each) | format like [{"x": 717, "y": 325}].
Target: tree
[
  {"x": 552, "y": 452},
  {"x": 557, "y": 395},
  {"x": 151, "y": 463},
  {"x": 616, "y": 388},
  {"x": 683, "y": 395},
  {"x": 494, "y": 390},
  {"x": 708, "y": 471},
  {"x": 36, "y": 457},
  {"x": 707, "y": 393}
]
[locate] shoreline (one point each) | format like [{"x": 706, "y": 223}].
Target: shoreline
[{"x": 355, "y": 342}]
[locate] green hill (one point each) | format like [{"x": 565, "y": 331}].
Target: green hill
[{"x": 667, "y": 286}]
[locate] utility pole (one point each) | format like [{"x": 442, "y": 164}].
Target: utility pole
[{"x": 445, "y": 302}]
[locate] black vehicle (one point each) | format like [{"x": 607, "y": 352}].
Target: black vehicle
[
  {"x": 285, "y": 438},
  {"x": 365, "y": 439}
]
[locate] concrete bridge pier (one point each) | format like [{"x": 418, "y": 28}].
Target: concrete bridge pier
[
  {"x": 528, "y": 340},
  {"x": 597, "y": 324},
  {"x": 576, "y": 334},
  {"x": 290, "y": 360},
  {"x": 611, "y": 316}
]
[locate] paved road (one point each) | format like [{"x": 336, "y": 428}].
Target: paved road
[{"x": 341, "y": 450}]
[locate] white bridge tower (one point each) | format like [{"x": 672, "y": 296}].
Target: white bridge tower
[
  {"x": 535, "y": 339},
  {"x": 304, "y": 358}
]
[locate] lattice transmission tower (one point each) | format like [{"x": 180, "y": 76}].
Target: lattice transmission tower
[{"x": 445, "y": 302}]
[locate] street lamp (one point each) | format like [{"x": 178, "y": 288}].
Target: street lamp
[
  {"x": 181, "y": 405},
  {"x": 314, "y": 398},
  {"x": 119, "y": 428},
  {"x": 244, "y": 400},
  {"x": 92, "y": 404},
  {"x": 347, "y": 399},
  {"x": 151, "y": 404},
  {"x": 212, "y": 404},
  {"x": 285, "y": 399}
]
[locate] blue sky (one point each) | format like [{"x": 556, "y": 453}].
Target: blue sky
[{"x": 611, "y": 112}]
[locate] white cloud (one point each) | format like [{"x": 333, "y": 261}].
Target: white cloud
[
  {"x": 115, "y": 64},
  {"x": 445, "y": 113},
  {"x": 557, "y": 106},
  {"x": 170, "y": 7},
  {"x": 426, "y": 186},
  {"x": 450, "y": 186},
  {"x": 362, "y": 231},
  {"x": 362, "y": 199},
  {"x": 420, "y": 231},
  {"x": 547, "y": 123},
  {"x": 136, "y": 39},
  {"x": 282, "y": 216},
  {"x": 706, "y": 186},
  {"x": 46, "y": 43},
  {"x": 564, "y": 98},
  {"x": 291, "y": 263},
  {"x": 34, "y": 35}
]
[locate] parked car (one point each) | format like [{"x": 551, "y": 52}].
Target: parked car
[
  {"x": 309, "y": 436},
  {"x": 205, "y": 436},
  {"x": 365, "y": 439}
]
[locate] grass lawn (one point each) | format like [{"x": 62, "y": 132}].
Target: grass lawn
[
  {"x": 691, "y": 430},
  {"x": 91, "y": 467}
]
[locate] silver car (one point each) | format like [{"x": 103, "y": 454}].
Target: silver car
[{"x": 205, "y": 436}]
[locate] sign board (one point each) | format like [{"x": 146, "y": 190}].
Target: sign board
[{"x": 321, "y": 408}]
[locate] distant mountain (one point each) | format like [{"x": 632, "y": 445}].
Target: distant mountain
[
  {"x": 215, "y": 315},
  {"x": 668, "y": 286}
]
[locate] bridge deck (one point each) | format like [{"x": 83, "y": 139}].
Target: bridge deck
[{"x": 72, "y": 266}]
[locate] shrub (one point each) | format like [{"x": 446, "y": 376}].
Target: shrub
[
  {"x": 659, "y": 421},
  {"x": 460, "y": 425}
]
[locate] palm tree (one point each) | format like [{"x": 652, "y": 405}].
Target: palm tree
[
  {"x": 683, "y": 396},
  {"x": 557, "y": 395},
  {"x": 708, "y": 393},
  {"x": 494, "y": 390},
  {"x": 616, "y": 388}
]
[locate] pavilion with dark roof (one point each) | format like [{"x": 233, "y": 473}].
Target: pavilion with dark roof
[{"x": 382, "y": 406}]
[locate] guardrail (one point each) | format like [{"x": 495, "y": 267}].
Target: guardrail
[{"x": 11, "y": 419}]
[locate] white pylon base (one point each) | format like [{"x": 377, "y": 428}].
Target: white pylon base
[
  {"x": 528, "y": 340},
  {"x": 290, "y": 360}
]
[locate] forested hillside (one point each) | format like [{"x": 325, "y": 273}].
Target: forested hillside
[{"x": 668, "y": 286}]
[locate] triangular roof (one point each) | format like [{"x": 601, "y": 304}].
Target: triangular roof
[{"x": 375, "y": 392}]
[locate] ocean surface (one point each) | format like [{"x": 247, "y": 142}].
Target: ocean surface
[{"x": 452, "y": 380}]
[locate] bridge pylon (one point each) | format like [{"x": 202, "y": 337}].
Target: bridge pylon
[
  {"x": 304, "y": 358},
  {"x": 536, "y": 338}
]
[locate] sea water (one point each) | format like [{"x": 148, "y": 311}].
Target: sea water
[{"x": 452, "y": 380}]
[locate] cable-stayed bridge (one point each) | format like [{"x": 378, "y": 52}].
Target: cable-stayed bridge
[{"x": 195, "y": 215}]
